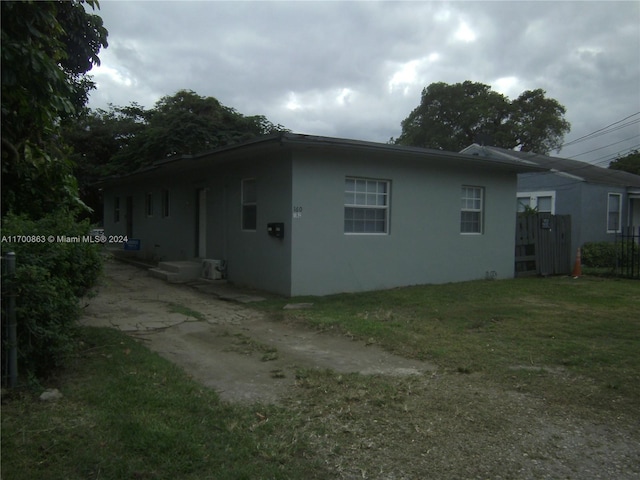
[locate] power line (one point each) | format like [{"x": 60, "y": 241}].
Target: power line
[
  {"x": 600, "y": 148},
  {"x": 602, "y": 131},
  {"x": 611, "y": 157}
]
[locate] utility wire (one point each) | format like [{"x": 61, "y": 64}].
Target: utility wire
[
  {"x": 600, "y": 148},
  {"x": 597, "y": 132},
  {"x": 609, "y": 158}
]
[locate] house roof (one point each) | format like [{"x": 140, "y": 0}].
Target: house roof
[
  {"x": 295, "y": 141},
  {"x": 580, "y": 171}
]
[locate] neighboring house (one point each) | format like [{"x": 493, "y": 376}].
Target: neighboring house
[
  {"x": 306, "y": 215},
  {"x": 601, "y": 201}
]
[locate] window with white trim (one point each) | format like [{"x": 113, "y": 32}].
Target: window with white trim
[
  {"x": 249, "y": 204},
  {"x": 614, "y": 212},
  {"x": 541, "y": 202},
  {"x": 471, "y": 210},
  {"x": 366, "y": 206}
]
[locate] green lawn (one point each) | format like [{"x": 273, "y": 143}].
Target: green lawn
[
  {"x": 129, "y": 414},
  {"x": 587, "y": 327},
  {"x": 571, "y": 347}
]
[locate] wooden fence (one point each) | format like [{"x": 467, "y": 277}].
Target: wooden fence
[{"x": 543, "y": 245}]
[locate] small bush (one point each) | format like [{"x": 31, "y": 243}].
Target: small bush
[
  {"x": 46, "y": 312},
  {"x": 49, "y": 279},
  {"x": 599, "y": 255}
]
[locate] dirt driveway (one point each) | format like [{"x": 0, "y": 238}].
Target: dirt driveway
[
  {"x": 445, "y": 426},
  {"x": 223, "y": 344}
]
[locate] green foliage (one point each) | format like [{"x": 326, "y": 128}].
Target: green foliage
[
  {"x": 528, "y": 211},
  {"x": 124, "y": 139},
  {"x": 46, "y": 49},
  {"x": 46, "y": 313},
  {"x": 599, "y": 255},
  {"x": 128, "y": 413},
  {"x": 50, "y": 277},
  {"x": 452, "y": 117},
  {"x": 629, "y": 163}
]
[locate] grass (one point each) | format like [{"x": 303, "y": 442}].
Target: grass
[
  {"x": 517, "y": 332},
  {"x": 128, "y": 413},
  {"x": 522, "y": 366},
  {"x": 246, "y": 345},
  {"x": 186, "y": 311}
]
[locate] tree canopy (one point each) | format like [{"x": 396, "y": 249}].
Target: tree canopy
[
  {"x": 123, "y": 139},
  {"x": 452, "y": 117},
  {"x": 629, "y": 163},
  {"x": 47, "y": 48}
]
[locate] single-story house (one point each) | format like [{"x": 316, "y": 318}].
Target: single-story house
[
  {"x": 306, "y": 215},
  {"x": 601, "y": 201}
]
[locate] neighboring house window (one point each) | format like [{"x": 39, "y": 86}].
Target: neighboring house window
[
  {"x": 165, "y": 203},
  {"x": 614, "y": 213},
  {"x": 544, "y": 204},
  {"x": 249, "y": 204},
  {"x": 149, "y": 204},
  {"x": 471, "y": 209},
  {"x": 541, "y": 202},
  {"x": 366, "y": 206},
  {"x": 116, "y": 209},
  {"x": 523, "y": 204}
]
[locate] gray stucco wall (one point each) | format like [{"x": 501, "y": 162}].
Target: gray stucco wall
[
  {"x": 162, "y": 238},
  {"x": 303, "y": 188},
  {"x": 253, "y": 257},
  {"x": 424, "y": 244}
]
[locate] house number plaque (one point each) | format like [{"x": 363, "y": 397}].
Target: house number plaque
[{"x": 297, "y": 211}]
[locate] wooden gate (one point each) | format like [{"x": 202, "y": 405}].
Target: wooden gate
[{"x": 543, "y": 244}]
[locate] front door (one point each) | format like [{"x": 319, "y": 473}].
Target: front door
[{"x": 201, "y": 224}]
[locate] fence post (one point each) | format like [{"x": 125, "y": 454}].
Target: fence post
[{"x": 12, "y": 324}]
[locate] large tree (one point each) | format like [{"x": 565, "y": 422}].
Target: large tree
[
  {"x": 47, "y": 48},
  {"x": 123, "y": 139},
  {"x": 629, "y": 163},
  {"x": 451, "y": 117}
]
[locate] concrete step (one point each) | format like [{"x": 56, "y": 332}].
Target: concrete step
[
  {"x": 177, "y": 272},
  {"x": 164, "y": 275},
  {"x": 181, "y": 266}
]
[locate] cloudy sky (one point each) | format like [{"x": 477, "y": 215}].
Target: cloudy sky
[{"x": 356, "y": 69}]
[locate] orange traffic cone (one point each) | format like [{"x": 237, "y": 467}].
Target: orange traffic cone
[{"x": 577, "y": 267}]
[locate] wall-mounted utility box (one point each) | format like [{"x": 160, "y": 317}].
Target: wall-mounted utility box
[{"x": 275, "y": 229}]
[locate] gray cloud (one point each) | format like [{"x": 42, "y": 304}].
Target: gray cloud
[{"x": 356, "y": 69}]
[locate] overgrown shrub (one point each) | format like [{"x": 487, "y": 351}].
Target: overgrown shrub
[
  {"x": 599, "y": 255},
  {"x": 47, "y": 312},
  {"x": 50, "y": 277}
]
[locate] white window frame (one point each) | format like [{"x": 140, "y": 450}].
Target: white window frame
[
  {"x": 534, "y": 196},
  {"x": 370, "y": 201},
  {"x": 464, "y": 208},
  {"x": 248, "y": 203},
  {"x": 619, "y": 229}
]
